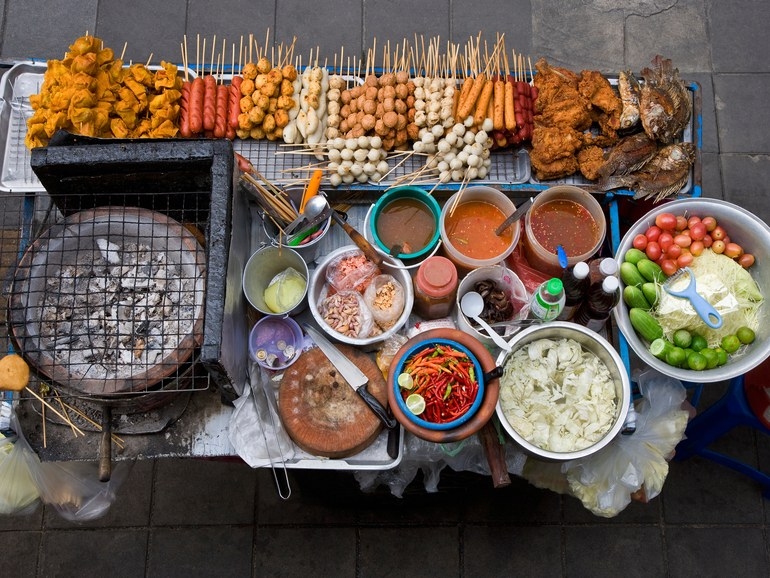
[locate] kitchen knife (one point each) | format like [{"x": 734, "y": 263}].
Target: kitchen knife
[
  {"x": 354, "y": 376},
  {"x": 308, "y": 227},
  {"x": 517, "y": 214}
]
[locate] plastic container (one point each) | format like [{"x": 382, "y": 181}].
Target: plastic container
[
  {"x": 415, "y": 194},
  {"x": 435, "y": 288},
  {"x": 505, "y": 279},
  {"x": 545, "y": 259},
  {"x": 464, "y": 263},
  {"x": 262, "y": 267},
  {"x": 275, "y": 342}
]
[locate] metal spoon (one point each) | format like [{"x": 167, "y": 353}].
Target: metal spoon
[
  {"x": 313, "y": 207},
  {"x": 472, "y": 304}
]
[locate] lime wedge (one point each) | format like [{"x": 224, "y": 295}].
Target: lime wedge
[
  {"x": 415, "y": 403},
  {"x": 405, "y": 381}
]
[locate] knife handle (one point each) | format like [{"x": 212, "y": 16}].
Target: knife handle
[{"x": 377, "y": 407}]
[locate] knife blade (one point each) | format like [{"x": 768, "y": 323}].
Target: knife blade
[
  {"x": 354, "y": 376},
  {"x": 305, "y": 228},
  {"x": 517, "y": 214}
]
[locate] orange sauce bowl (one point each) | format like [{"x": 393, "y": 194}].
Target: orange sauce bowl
[{"x": 468, "y": 231}]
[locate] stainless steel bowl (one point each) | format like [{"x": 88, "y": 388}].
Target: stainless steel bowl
[
  {"x": 753, "y": 235},
  {"x": 592, "y": 342}
]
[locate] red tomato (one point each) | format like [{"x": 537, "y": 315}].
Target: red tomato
[
  {"x": 681, "y": 223},
  {"x": 692, "y": 221},
  {"x": 653, "y": 233},
  {"x": 682, "y": 240},
  {"x": 718, "y": 247},
  {"x": 666, "y": 221},
  {"x": 707, "y": 240},
  {"x": 669, "y": 266},
  {"x": 665, "y": 241},
  {"x": 674, "y": 251},
  {"x": 718, "y": 234},
  {"x": 727, "y": 240},
  {"x": 653, "y": 251},
  {"x": 684, "y": 260},
  {"x": 640, "y": 242},
  {"x": 746, "y": 260},
  {"x": 710, "y": 223},
  {"x": 697, "y": 231},
  {"x": 696, "y": 248},
  {"x": 733, "y": 250}
]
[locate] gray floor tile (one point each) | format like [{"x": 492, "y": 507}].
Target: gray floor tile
[
  {"x": 323, "y": 31},
  {"x": 31, "y": 521},
  {"x": 518, "y": 504},
  {"x": 107, "y": 552},
  {"x": 316, "y": 498},
  {"x": 710, "y": 142},
  {"x": 21, "y": 553},
  {"x": 516, "y": 550},
  {"x": 737, "y": 30},
  {"x": 745, "y": 180},
  {"x": 740, "y": 110},
  {"x": 130, "y": 508},
  {"x": 711, "y": 176},
  {"x": 394, "y": 20},
  {"x": 512, "y": 18},
  {"x": 289, "y": 552},
  {"x": 716, "y": 552},
  {"x": 231, "y": 20},
  {"x": 203, "y": 492},
  {"x": 206, "y": 551},
  {"x": 578, "y": 35},
  {"x": 699, "y": 491},
  {"x": 40, "y": 29},
  {"x": 422, "y": 552},
  {"x": 156, "y": 28},
  {"x": 677, "y": 32},
  {"x": 614, "y": 551},
  {"x": 416, "y": 507}
]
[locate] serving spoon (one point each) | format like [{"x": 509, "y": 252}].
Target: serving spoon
[
  {"x": 472, "y": 304},
  {"x": 313, "y": 207}
]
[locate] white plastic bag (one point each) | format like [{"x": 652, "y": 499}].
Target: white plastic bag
[
  {"x": 605, "y": 481},
  {"x": 18, "y": 492}
]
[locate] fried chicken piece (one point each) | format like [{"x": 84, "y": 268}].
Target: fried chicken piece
[
  {"x": 599, "y": 92},
  {"x": 546, "y": 171},
  {"x": 551, "y": 143},
  {"x": 559, "y": 103},
  {"x": 590, "y": 161}
]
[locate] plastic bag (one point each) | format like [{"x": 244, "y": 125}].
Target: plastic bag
[
  {"x": 531, "y": 278},
  {"x": 351, "y": 271},
  {"x": 285, "y": 290},
  {"x": 385, "y": 298},
  {"x": 605, "y": 480},
  {"x": 18, "y": 492},
  {"x": 388, "y": 350},
  {"x": 347, "y": 313},
  {"x": 73, "y": 489}
]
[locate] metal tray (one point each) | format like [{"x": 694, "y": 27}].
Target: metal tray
[{"x": 16, "y": 85}]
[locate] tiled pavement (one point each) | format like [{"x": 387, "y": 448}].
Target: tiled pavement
[{"x": 210, "y": 518}]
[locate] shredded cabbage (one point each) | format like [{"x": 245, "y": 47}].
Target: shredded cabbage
[
  {"x": 558, "y": 396},
  {"x": 726, "y": 285}
]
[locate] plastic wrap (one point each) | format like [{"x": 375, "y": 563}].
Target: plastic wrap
[
  {"x": 18, "y": 491},
  {"x": 351, "y": 271},
  {"x": 346, "y": 312},
  {"x": 385, "y": 299}
]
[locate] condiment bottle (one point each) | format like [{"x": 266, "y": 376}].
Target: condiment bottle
[
  {"x": 435, "y": 288},
  {"x": 548, "y": 300},
  {"x": 576, "y": 283},
  {"x": 597, "y": 308},
  {"x": 602, "y": 267}
]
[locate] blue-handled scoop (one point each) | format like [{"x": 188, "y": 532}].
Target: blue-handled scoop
[{"x": 703, "y": 308}]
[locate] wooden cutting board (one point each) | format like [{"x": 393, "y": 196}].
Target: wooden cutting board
[{"x": 319, "y": 409}]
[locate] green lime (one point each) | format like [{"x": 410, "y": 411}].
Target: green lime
[
  {"x": 697, "y": 362},
  {"x": 731, "y": 343},
  {"x": 676, "y": 356},
  {"x": 721, "y": 356},
  {"x": 698, "y": 342},
  {"x": 682, "y": 338},
  {"x": 415, "y": 403},
  {"x": 745, "y": 335},
  {"x": 405, "y": 381},
  {"x": 688, "y": 351},
  {"x": 711, "y": 356},
  {"x": 660, "y": 347}
]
